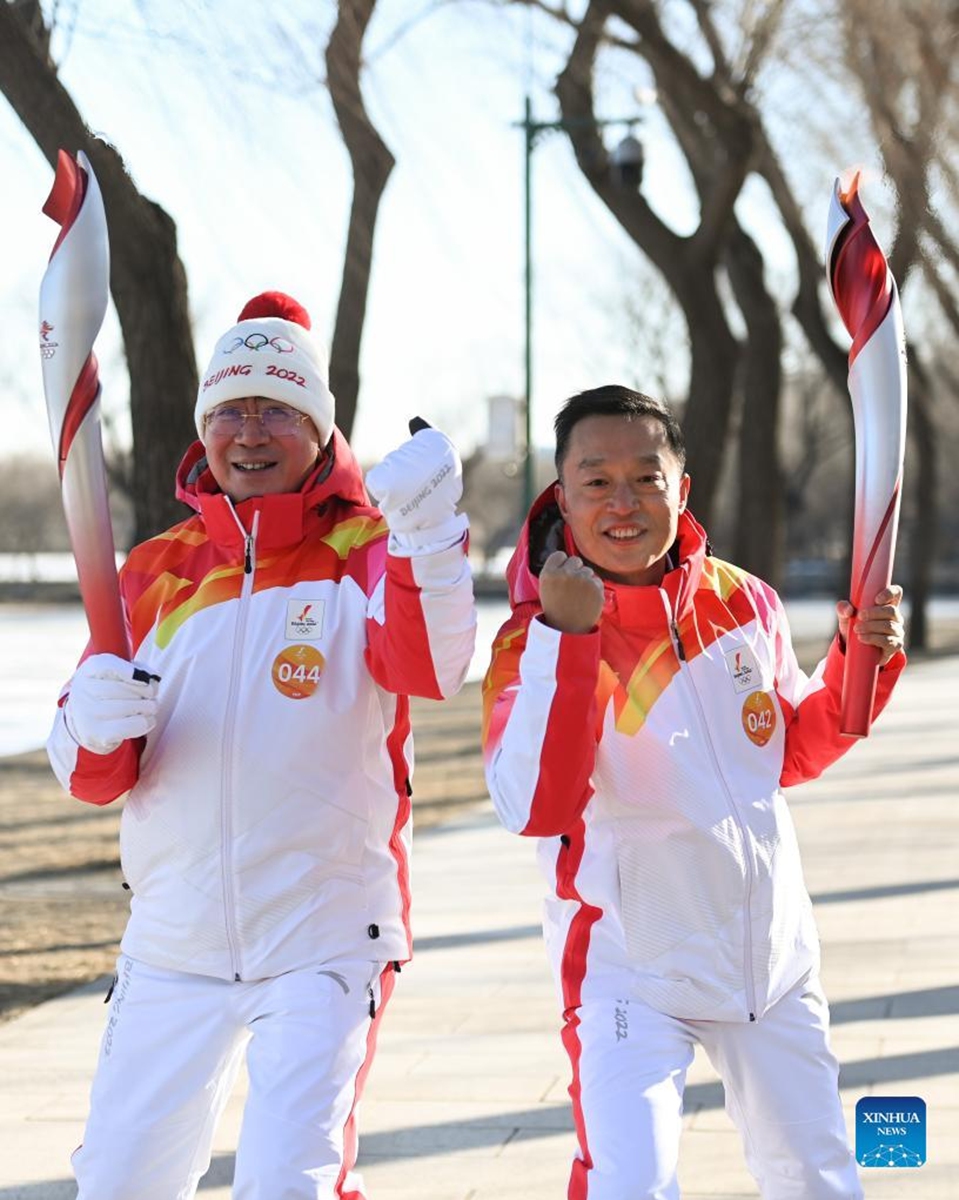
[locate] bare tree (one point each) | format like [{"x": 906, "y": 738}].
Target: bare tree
[
  {"x": 147, "y": 278},
  {"x": 372, "y": 164},
  {"x": 687, "y": 264},
  {"x": 904, "y": 57},
  {"x": 716, "y": 129},
  {"x": 900, "y": 58}
]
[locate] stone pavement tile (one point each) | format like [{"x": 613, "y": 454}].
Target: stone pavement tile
[
  {"x": 929, "y": 1182},
  {"x": 69, "y": 1104},
  {"x": 396, "y": 1066},
  {"x": 531, "y": 1018},
  {"x": 929, "y": 952},
  {"x": 853, "y": 957},
  {"x": 855, "y": 1045},
  {"x": 464, "y": 1172},
  {"x": 909, "y": 978},
  {"x": 425, "y": 1084},
  {"x": 920, "y": 1030},
  {"x": 540, "y": 1164},
  {"x": 490, "y": 1054},
  {"x": 722, "y": 1150},
  {"x": 709, "y": 1118},
  {"x": 558, "y": 1091},
  {"x": 845, "y": 985},
  {"x": 384, "y": 1115},
  {"x": 42, "y": 1154},
  {"x": 925, "y": 916}
]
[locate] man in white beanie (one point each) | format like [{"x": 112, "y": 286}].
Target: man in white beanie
[{"x": 262, "y": 737}]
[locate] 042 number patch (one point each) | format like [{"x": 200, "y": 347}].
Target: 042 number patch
[{"x": 759, "y": 718}]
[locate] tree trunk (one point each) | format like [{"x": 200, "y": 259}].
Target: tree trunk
[
  {"x": 147, "y": 279},
  {"x": 687, "y": 265},
  {"x": 714, "y": 355},
  {"x": 372, "y": 164},
  {"x": 922, "y": 543},
  {"x": 758, "y": 544}
]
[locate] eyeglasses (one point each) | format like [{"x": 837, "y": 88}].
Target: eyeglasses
[{"x": 277, "y": 420}]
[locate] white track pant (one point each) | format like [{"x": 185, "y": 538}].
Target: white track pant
[
  {"x": 781, "y": 1085},
  {"x": 170, "y": 1054}
]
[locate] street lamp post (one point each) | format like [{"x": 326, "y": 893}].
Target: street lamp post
[
  {"x": 627, "y": 161},
  {"x": 530, "y": 129}
]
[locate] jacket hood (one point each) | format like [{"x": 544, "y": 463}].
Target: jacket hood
[
  {"x": 282, "y": 515},
  {"x": 544, "y": 531}
]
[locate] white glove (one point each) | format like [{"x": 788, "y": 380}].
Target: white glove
[
  {"x": 417, "y": 487},
  {"x": 106, "y": 704}
]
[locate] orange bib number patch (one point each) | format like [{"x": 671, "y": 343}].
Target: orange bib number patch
[
  {"x": 759, "y": 718},
  {"x": 297, "y": 670}
]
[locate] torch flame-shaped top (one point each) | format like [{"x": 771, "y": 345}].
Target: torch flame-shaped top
[
  {"x": 66, "y": 196},
  {"x": 861, "y": 283}
]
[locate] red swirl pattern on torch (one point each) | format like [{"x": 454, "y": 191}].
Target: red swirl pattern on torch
[{"x": 85, "y": 393}]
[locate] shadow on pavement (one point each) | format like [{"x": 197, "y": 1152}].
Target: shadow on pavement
[
  {"x": 927, "y": 1002},
  {"x": 484, "y": 936},
  {"x": 881, "y": 893}
]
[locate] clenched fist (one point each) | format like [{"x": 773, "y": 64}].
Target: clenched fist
[
  {"x": 571, "y": 594},
  {"x": 418, "y": 487}
]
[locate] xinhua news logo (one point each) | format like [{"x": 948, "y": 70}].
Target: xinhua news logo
[{"x": 890, "y": 1131}]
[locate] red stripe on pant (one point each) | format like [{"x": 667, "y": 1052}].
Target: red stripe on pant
[
  {"x": 579, "y": 1176},
  {"x": 350, "y": 1136},
  {"x": 573, "y": 972}
]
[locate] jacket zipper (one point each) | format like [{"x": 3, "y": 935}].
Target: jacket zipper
[
  {"x": 229, "y": 723},
  {"x": 744, "y": 842}
]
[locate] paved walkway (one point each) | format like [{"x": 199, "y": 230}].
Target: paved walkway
[{"x": 467, "y": 1099}]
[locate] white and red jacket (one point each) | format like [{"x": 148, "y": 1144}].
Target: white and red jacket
[
  {"x": 649, "y": 757},
  {"x": 268, "y": 825}
]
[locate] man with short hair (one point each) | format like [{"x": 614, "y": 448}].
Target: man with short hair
[
  {"x": 642, "y": 712},
  {"x": 263, "y": 735}
]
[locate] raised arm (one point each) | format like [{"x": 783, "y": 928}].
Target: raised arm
[
  {"x": 421, "y": 625},
  {"x": 540, "y": 706}
]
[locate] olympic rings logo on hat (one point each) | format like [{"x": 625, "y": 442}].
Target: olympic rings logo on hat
[{"x": 259, "y": 341}]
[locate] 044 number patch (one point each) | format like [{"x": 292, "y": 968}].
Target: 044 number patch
[{"x": 297, "y": 670}]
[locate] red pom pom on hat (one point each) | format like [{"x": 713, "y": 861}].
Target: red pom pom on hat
[{"x": 276, "y": 304}]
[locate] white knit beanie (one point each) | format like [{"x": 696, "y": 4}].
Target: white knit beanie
[{"x": 270, "y": 353}]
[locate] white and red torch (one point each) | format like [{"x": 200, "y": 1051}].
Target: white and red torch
[
  {"x": 868, "y": 301},
  {"x": 73, "y": 301}
]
